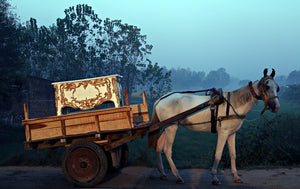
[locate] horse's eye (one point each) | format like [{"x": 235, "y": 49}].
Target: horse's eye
[
  {"x": 267, "y": 87},
  {"x": 278, "y": 89}
]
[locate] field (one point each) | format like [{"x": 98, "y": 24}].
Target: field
[{"x": 263, "y": 141}]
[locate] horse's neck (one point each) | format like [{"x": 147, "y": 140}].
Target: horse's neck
[{"x": 242, "y": 99}]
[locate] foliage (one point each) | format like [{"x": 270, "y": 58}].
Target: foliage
[
  {"x": 271, "y": 141},
  {"x": 293, "y": 78},
  {"x": 155, "y": 81},
  {"x": 10, "y": 77},
  {"x": 81, "y": 45},
  {"x": 186, "y": 79},
  {"x": 217, "y": 79},
  {"x": 291, "y": 93}
]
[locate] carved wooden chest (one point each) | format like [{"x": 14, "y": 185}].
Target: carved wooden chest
[{"x": 85, "y": 94}]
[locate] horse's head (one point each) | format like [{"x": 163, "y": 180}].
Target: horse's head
[{"x": 268, "y": 90}]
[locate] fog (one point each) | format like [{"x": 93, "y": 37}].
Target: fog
[{"x": 244, "y": 37}]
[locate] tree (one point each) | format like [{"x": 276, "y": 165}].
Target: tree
[
  {"x": 293, "y": 78},
  {"x": 103, "y": 48},
  {"x": 155, "y": 81},
  {"x": 81, "y": 45},
  {"x": 217, "y": 79},
  {"x": 186, "y": 79},
  {"x": 10, "y": 62}
]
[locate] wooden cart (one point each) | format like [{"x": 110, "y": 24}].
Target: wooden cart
[{"x": 94, "y": 140}]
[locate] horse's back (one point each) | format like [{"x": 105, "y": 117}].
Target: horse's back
[{"x": 177, "y": 103}]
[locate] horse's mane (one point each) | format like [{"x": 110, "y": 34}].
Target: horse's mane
[{"x": 241, "y": 96}]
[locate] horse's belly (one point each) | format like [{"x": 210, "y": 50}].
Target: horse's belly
[{"x": 200, "y": 121}]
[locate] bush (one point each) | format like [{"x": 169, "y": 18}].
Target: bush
[{"x": 267, "y": 142}]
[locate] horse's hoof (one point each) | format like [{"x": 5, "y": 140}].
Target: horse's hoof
[
  {"x": 179, "y": 181},
  {"x": 163, "y": 177},
  {"x": 216, "y": 182},
  {"x": 238, "y": 181}
]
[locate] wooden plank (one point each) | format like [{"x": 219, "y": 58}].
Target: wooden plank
[
  {"x": 81, "y": 129},
  {"x": 126, "y": 97},
  {"x": 112, "y": 116},
  {"x": 80, "y": 125},
  {"x": 45, "y": 130},
  {"x": 115, "y": 125},
  {"x": 140, "y": 113},
  {"x": 144, "y": 98},
  {"x": 143, "y": 117},
  {"x": 39, "y": 134},
  {"x": 130, "y": 119},
  {"x": 26, "y": 111},
  {"x": 138, "y": 108},
  {"x": 63, "y": 128},
  {"x": 97, "y": 123},
  {"x": 27, "y": 127},
  {"x": 76, "y": 115}
]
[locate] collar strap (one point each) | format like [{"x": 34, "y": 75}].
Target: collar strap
[{"x": 253, "y": 92}]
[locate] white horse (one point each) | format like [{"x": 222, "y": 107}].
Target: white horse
[{"x": 230, "y": 117}]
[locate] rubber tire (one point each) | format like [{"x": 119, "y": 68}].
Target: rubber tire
[{"x": 98, "y": 172}]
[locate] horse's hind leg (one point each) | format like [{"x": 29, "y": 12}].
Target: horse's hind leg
[
  {"x": 159, "y": 148},
  {"x": 170, "y": 136}
]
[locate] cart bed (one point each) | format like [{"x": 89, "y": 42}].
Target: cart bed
[{"x": 83, "y": 125}]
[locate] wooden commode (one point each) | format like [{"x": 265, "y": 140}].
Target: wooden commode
[{"x": 85, "y": 94}]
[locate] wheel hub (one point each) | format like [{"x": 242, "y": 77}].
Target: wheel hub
[{"x": 83, "y": 164}]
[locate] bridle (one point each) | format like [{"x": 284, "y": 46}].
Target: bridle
[{"x": 262, "y": 95}]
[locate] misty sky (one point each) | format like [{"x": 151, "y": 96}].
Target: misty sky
[{"x": 243, "y": 36}]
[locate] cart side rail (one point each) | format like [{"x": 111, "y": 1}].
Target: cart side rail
[
  {"x": 78, "y": 123},
  {"x": 140, "y": 111}
]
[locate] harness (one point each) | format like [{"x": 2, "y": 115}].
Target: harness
[
  {"x": 215, "y": 118},
  {"x": 215, "y": 108},
  {"x": 262, "y": 92}
]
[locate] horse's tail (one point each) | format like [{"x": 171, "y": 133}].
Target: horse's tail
[{"x": 153, "y": 136}]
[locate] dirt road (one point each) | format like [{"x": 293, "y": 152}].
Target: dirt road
[{"x": 142, "y": 177}]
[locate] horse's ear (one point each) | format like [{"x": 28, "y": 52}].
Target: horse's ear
[
  {"x": 265, "y": 72},
  {"x": 273, "y": 73}
]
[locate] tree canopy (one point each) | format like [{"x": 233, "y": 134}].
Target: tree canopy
[
  {"x": 10, "y": 55},
  {"x": 81, "y": 45}
]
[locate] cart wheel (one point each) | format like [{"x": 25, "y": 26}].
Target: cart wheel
[{"x": 84, "y": 164}]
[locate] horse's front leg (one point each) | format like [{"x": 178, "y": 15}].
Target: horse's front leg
[
  {"x": 220, "y": 146},
  {"x": 232, "y": 152}
]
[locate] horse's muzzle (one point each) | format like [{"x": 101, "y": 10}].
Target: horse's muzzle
[{"x": 274, "y": 106}]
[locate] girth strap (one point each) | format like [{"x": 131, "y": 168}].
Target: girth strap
[
  {"x": 228, "y": 104},
  {"x": 214, "y": 115},
  {"x": 215, "y": 118}
]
